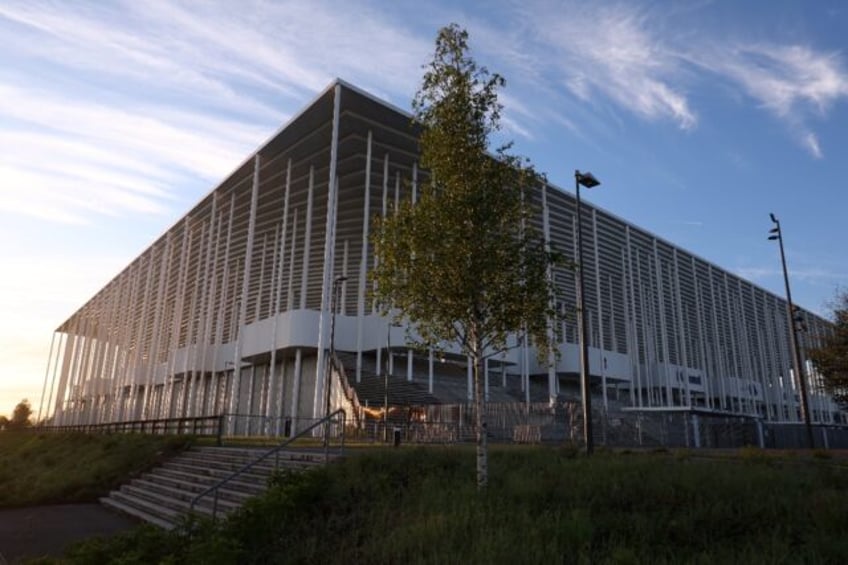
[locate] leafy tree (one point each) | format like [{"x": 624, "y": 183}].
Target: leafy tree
[
  {"x": 20, "y": 416},
  {"x": 464, "y": 264},
  {"x": 831, "y": 358},
  {"x": 4, "y": 422}
]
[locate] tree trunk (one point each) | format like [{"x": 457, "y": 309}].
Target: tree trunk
[{"x": 480, "y": 419}]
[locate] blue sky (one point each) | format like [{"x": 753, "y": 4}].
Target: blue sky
[{"x": 698, "y": 117}]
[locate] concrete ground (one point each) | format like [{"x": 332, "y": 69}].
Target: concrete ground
[{"x": 48, "y": 530}]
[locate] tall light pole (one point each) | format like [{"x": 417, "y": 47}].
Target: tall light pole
[
  {"x": 588, "y": 180},
  {"x": 337, "y": 283},
  {"x": 776, "y": 234}
]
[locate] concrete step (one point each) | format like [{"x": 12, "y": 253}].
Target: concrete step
[
  {"x": 193, "y": 488},
  {"x": 251, "y": 454},
  {"x": 145, "y": 507},
  {"x": 180, "y": 505},
  {"x": 136, "y": 512},
  {"x": 180, "y": 492},
  {"x": 204, "y": 481},
  {"x": 218, "y": 473},
  {"x": 164, "y": 494}
]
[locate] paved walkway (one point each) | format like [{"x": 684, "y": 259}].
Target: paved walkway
[{"x": 48, "y": 530}]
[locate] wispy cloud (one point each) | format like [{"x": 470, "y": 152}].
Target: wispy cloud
[
  {"x": 106, "y": 160},
  {"x": 795, "y": 83},
  {"x": 635, "y": 60},
  {"x": 198, "y": 86},
  {"x": 623, "y": 60},
  {"x": 809, "y": 274}
]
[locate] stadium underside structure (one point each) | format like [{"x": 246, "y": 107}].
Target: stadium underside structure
[{"x": 228, "y": 310}]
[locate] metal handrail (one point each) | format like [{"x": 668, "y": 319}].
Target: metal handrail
[{"x": 273, "y": 451}]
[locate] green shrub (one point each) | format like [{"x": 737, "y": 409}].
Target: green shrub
[
  {"x": 543, "y": 505},
  {"x": 61, "y": 468}
]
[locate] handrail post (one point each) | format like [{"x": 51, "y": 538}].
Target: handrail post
[{"x": 219, "y": 440}]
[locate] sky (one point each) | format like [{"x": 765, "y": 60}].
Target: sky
[{"x": 699, "y": 118}]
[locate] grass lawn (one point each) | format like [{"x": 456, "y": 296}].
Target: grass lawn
[
  {"x": 544, "y": 505},
  {"x": 47, "y": 468}
]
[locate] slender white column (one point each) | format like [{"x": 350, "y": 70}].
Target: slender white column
[
  {"x": 78, "y": 372},
  {"x": 486, "y": 379},
  {"x": 153, "y": 350},
  {"x": 342, "y": 305},
  {"x": 525, "y": 368},
  {"x": 290, "y": 286},
  {"x": 718, "y": 358},
  {"x": 430, "y": 372},
  {"x": 648, "y": 343},
  {"x": 470, "y": 379},
  {"x": 550, "y": 354},
  {"x": 176, "y": 328},
  {"x": 363, "y": 261},
  {"x": 245, "y": 287},
  {"x": 376, "y": 259},
  {"x": 409, "y": 365},
  {"x": 415, "y": 182},
  {"x": 207, "y": 299},
  {"x": 630, "y": 318},
  {"x": 735, "y": 371},
  {"x": 613, "y": 321},
  {"x": 123, "y": 383},
  {"x": 139, "y": 338},
  {"x": 116, "y": 320},
  {"x": 746, "y": 359},
  {"x": 275, "y": 398},
  {"x": 258, "y": 303},
  {"x": 329, "y": 258},
  {"x": 297, "y": 377},
  {"x": 108, "y": 317},
  {"x": 46, "y": 375},
  {"x": 62, "y": 389},
  {"x": 600, "y": 310},
  {"x": 307, "y": 239},
  {"x": 251, "y": 386},
  {"x": 706, "y": 379},
  {"x": 761, "y": 348},
  {"x": 110, "y": 375},
  {"x": 682, "y": 349},
  {"x": 59, "y": 355},
  {"x": 663, "y": 329},
  {"x": 180, "y": 403}
]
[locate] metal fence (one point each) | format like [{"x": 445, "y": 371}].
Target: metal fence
[
  {"x": 203, "y": 426},
  {"x": 622, "y": 428},
  {"x": 506, "y": 423}
]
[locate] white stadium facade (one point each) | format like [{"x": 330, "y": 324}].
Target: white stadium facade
[{"x": 228, "y": 310}]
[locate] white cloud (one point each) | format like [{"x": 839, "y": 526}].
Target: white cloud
[
  {"x": 793, "y": 82},
  {"x": 106, "y": 160},
  {"x": 812, "y": 143},
  {"x": 621, "y": 60}
]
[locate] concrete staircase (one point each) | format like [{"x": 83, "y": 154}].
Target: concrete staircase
[{"x": 163, "y": 496}]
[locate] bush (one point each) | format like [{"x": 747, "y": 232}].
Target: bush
[{"x": 542, "y": 505}]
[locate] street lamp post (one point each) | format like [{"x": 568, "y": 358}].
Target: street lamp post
[
  {"x": 588, "y": 180},
  {"x": 337, "y": 283},
  {"x": 776, "y": 234}
]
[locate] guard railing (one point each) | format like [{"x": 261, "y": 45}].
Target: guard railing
[{"x": 338, "y": 416}]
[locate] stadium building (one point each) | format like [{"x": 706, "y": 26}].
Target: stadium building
[{"x": 229, "y": 311}]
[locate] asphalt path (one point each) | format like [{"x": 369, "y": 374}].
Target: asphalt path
[{"x": 39, "y": 531}]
